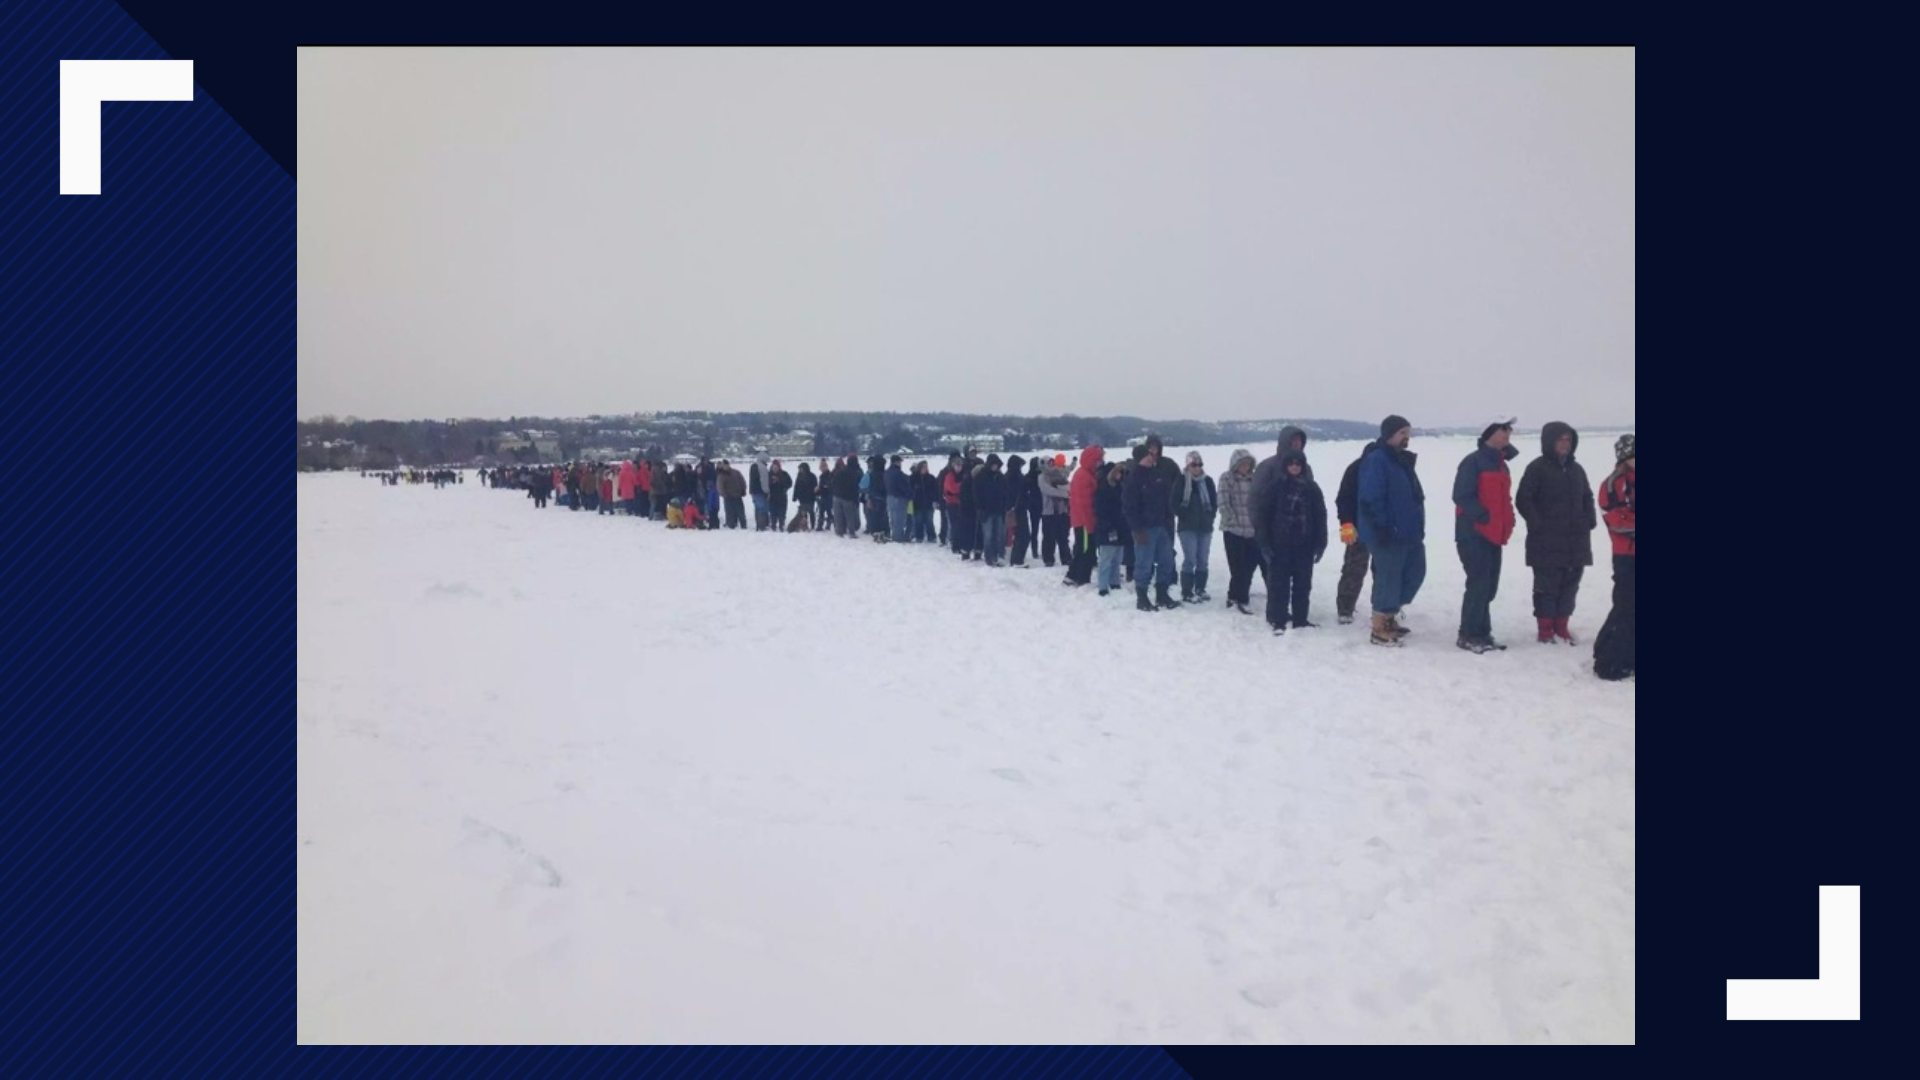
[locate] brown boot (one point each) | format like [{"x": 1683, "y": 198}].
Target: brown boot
[{"x": 1383, "y": 631}]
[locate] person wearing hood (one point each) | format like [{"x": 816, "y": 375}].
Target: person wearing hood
[
  {"x": 991, "y": 501},
  {"x": 1080, "y": 492},
  {"x": 846, "y": 497},
  {"x": 1028, "y": 503},
  {"x": 1613, "y": 645},
  {"x": 626, "y": 485},
  {"x": 779, "y": 482},
  {"x": 899, "y": 494},
  {"x": 1196, "y": 502},
  {"x": 1482, "y": 525},
  {"x": 926, "y": 496},
  {"x": 1019, "y": 534},
  {"x": 967, "y": 538},
  {"x": 1292, "y": 536},
  {"x": 1054, "y": 497},
  {"x": 1556, "y": 501},
  {"x": 1237, "y": 530},
  {"x": 876, "y": 497},
  {"x": 1272, "y": 470},
  {"x": 805, "y": 487},
  {"x": 758, "y": 489},
  {"x": 1148, "y": 493},
  {"x": 1393, "y": 523},
  {"x": 949, "y": 479},
  {"x": 1109, "y": 531}
]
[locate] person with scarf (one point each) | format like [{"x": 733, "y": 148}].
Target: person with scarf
[{"x": 1196, "y": 501}]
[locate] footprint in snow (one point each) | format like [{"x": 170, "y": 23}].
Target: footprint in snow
[{"x": 1012, "y": 775}]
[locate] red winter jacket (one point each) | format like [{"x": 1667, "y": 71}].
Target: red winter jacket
[
  {"x": 646, "y": 477},
  {"x": 1080, "y": 489},
  {"x": 1483, "y": 495},
  {"x": 629, "y": 477},
  {"x": 950, "y": 488},
  {"x": 1616, "y": 505}
]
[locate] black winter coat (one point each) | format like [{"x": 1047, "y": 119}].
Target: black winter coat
[
  {"x": 990, "y": 494},
  {"x": 846, "y": 481},
  {"x": 1109, "y": 510},
  {"x": 1346, "y": 502},
  {"x": 926, "y": 490},
  {"x": 1148, "y": 495},
  {"x": 1295, "y": 518},
  {"x": 1556, "y": 502},
  {"x": 804, "y": 486}
]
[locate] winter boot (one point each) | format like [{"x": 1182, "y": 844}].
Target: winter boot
[
  {"x": 1564, "y": 632},
  {"x": 1200, "y": 586},
  {"x": 1239, "y": 607},
  {"x": 1383, "y": 631},
  {"x": 1545, "y": 636},
  {"x": 1346, "y": 617},
  {"x": 1164, "y": 598},
  {"x": 1393, "y": 621},
  {"x": 1186, "y": 586},
  {"x": 1144, "y": 604},
  {"x": 1471, "y": 644}
]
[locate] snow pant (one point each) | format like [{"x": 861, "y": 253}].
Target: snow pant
[
  {"x": 1353, "y": 574},
  {"x": 923, "y": 530},
  {"x": 1554, "y": 588},
  {"x": 759, "y": 513},
  {"x": 1613, "y": 646},
  {"x": 1481, "y": 560},
  {"x": 1109, "y": 575},
  {"x": 736, "y": 512},
  {"x": 1053, "y": 539},
  {"x": 846, "y": 517},
  {"x": 1022, "y": 537},
  {"x": 897, "y": 516},
  {"x": 993, "y": 539},
  {"x": 876, "y": 514},
  {"x": 1195, "y": 547},
  {"x": 1398, "y": 571},
  {"x": 1289, "y": 585},
  {"x": 1126, "y": 553},
  {"x": 1155, "y": 556},
  {"x": 966, "y": 532},
  {"x": 1080, "y": 570},
  {"x": 777, "y": 512},
  {"x": 1243, "y": 557}
]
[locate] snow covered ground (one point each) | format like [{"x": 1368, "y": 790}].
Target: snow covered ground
[{"x": 574, "y": 778}]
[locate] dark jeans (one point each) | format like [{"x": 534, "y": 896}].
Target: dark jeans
[
  {"x": 1289, "y": 585},
  {"x": 736, "y": 512},
  {"x": 1053, "y": 539},
  {"x": 993, "y": 539},
  {"x": 1481, "y": 559},
  {"x": 1353, "y": 574},
  {"x": 1554, "y": 588},
  {"x": 966, "y": 532},
  {"x": 1085, "y": 555},
  {"x": 1613, "y": 646},
  {"x": 1243, "y": 558},
  {"x": 1398, "y": 572}
]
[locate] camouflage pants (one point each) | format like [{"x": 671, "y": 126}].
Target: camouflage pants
[{"x": 1353, "y": 575}]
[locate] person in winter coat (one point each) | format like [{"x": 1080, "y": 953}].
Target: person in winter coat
[
  {"x": 1109, "y": 531},
  {"x": 1019, "y": 534},
  {"x": 926, "y": 496},
  {"x": 1196, "y": 502},
  {"x": 1028, "y": 504},
  {"x": 846, "y": 498},
  {"x": 1613, "y": 645},
  {"x": 733, "y": 492},
  {"x": 779, "y": 482},
  {"x": 823, "y": 493},
  {"x": 950, "y": 504},
  {"x": 1054, "y": 497},
  {"x": 876, "y": 496},
  {"x": 1557, "y": 504},
  {"x": 758, "y": 489},
  {"x": 1292, "y": 534},
  {"x": 1148, "y": 492},
  {"x": 1272, "y": 470},
  {"x": 540, "y": 486},
  {"x": 1080, "y": 492},
  {"x": 805, "y": 487},
  {"x": 967, "y": 540},
  {"x": 1393, "y": 523},
  {"x": 1353, "y": 567},
  {"x": 899, "y": 494},
  {"x": 627, "y": 484},
  {"x": 991, "y": 501},
  {"x": 1237, "y": 529},
  {"x": 1482, "y": 525}
]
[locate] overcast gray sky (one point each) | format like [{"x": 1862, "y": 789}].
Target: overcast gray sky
[{"x": 1170, "y": 233}]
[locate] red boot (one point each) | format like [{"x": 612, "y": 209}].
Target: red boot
[
  {"x": 1546, "y": 631},
  {"x": 1562, "y": 631}
]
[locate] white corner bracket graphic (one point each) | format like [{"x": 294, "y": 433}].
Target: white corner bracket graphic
[
  {"x": 84, "y": 84},
  {"x": 1835, "y": 995}
]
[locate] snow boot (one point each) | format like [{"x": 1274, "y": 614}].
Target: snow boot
[
  {"x": 1200, "y": 587},
  {"x": 1164, "y": 597},
  {"x": 1346, "y": 617},
  {"x": 1545, "y": 636},
  {"x": 1564, "y": 632},
  {"x": 1383, "y": 631},
  {"x": 1143, "y": 603},
  {"x": 1186, "y": 586},
  {"x": 1279, "y": 629},
  {"x": 1399, "y": 631},
  {"x": 1239, "y": 607},
  {"x": 1103, "y": 592},
  {"x": 1471, "y": 644}
]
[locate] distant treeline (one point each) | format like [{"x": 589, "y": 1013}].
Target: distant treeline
[{"x": 351, "y": 442}]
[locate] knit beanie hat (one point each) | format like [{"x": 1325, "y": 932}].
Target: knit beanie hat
[
  {"x": 1391, "y": 425},
  {"x": 1623, "y": 448}
]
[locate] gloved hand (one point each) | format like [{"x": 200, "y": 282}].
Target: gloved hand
[{"x": 1348, "y": 534}]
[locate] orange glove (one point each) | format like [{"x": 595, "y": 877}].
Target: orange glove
[{"x": 1347, "y": 534}]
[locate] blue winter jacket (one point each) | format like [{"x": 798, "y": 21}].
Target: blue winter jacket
[
  {"x": 898, "y": 486},
  {"x": 1392, "y": 507}
]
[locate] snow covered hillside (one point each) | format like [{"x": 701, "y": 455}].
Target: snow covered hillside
[{"x": 567, "y": 778}]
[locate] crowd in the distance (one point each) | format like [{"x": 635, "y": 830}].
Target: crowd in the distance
[{"x": 1109, "y": 521}]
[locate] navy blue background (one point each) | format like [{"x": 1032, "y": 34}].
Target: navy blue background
[{"x": 148, "y": 694}]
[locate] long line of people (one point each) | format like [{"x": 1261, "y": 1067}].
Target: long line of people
[{"x": 1108, "y": 521}]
